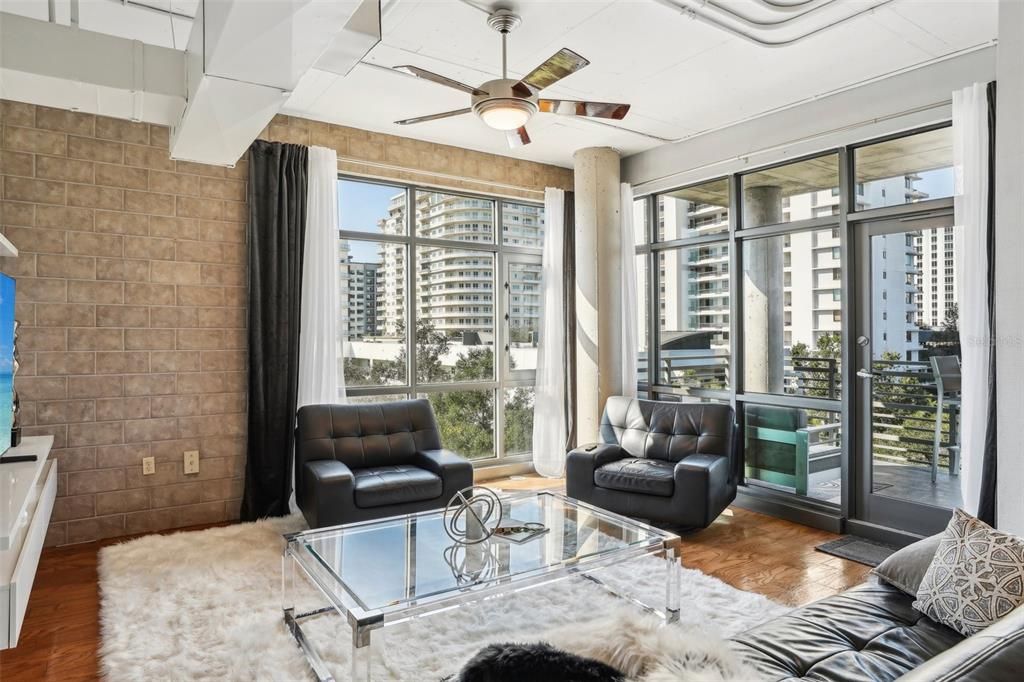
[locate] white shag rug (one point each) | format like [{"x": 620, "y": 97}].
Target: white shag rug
[{"x": 206, "y": 605}]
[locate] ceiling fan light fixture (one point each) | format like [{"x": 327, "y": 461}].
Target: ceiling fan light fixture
[{"x": 506, "y": 113}]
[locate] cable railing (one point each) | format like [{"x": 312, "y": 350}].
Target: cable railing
[
  {"x": 903, "y": 396},
  {"x": 903, "y": 405}
]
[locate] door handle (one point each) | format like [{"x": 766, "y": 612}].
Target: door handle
[{"x": 866, "y": 374}]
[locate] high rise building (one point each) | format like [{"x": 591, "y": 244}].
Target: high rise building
[
  {"x": 454, "y": 287},
  {"x": 357, "y": 283},
  {"x": 912, "y": 275}
]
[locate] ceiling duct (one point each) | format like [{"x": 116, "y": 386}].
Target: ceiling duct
[
  {"x": 69, "y": 68},
  {"x": 244, "y": 58}
]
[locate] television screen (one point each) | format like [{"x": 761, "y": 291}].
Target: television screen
[{"x": 6, "y": 361}]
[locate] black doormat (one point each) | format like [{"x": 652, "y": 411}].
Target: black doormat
[{"x": 862, "y": 551}]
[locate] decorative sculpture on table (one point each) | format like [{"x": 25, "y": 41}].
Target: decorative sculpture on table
[{"x": 472, "y": 515}]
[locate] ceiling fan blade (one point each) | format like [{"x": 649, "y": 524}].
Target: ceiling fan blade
[
  {"x": 518, "y": 137},
  {"x": 558, "y": 66},
  {"x": 566, "y": 107},
  {"x": 433, "y": 117},
  {"x": 437, "y": 78}
]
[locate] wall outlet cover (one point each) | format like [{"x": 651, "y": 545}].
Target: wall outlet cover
[
  {"x": 191, "y": 461},
  {"x": 148, "y": 466}
]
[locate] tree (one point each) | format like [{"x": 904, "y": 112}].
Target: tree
[
  {"x": 465, "y": 417},
  {"x": 818, "y": 369},
  {"x": 519, "y": 420},
  {"x": 946, "y": 341}
]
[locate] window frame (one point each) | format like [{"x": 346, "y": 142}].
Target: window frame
[
  {"x": 846, "y": 221},
  {"x": 502, "y": 254}
]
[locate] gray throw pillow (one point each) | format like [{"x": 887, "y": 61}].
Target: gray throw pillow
[
  {"x": 905, "y": 568},
  {"x": 976, "y": 578}
]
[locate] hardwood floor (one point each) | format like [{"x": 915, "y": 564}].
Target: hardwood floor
[
  {"x": 753, "y": 552},
  {"x": 61, "y": 635}
]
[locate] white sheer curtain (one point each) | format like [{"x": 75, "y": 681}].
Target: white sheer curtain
[
  {"x": 550, "y": 430},
  {"x": 628, "y": 293},
  {"x": 970, "y": 271},
  {"x": 320, "y": 378}
]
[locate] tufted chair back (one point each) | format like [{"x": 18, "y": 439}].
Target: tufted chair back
[
  {"x": 668, "y": 431},
  {"x": 363, "y": 436}
]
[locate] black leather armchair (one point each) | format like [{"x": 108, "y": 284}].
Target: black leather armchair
[
  {"x": 671, "y": 462},
  {"x": 368, "y": 461}
]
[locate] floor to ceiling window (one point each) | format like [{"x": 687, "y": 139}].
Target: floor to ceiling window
[
  {"x": 791, "y": 327},
  {"x": 753, "y": 294},
  {"x": 440, "y": 299}
]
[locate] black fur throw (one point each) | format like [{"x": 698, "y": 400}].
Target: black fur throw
[{"x": 533, "y": 662}]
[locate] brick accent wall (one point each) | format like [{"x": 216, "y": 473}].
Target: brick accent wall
[
  {"x": 132, "y": 293},
  {"x": 131, "y": 296}
]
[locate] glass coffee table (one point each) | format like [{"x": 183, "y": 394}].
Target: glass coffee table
[{"x": 387, "y": 571}]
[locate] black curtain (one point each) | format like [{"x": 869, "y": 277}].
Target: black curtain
[
  {"x": 276, "y": 229},
  {"x": 987, "y": 501},
  {"x": 569, "y": 291}
]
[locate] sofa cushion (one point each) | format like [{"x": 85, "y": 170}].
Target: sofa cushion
[
  {"x": 905, "y": 568},
  {"x": 976, "y": 577},
  {"x": 637, "y": 475},
  {"x": 394, "y": 484},
  {"x": 870, "y": 632}
]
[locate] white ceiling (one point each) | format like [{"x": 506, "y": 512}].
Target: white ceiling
[{"x": 682, "y": 76}]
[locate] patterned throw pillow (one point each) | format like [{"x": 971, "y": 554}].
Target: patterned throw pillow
[{"x": 976, "y": 577}]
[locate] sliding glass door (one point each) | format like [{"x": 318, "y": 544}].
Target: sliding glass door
[{"x": 908, "y": 373}]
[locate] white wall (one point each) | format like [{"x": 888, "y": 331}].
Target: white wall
[
  {"x": 1009, "y": 256},
  {"x": 904, "y": 101}
]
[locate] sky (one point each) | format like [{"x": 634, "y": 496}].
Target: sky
[
  {"x": 937, "y": 184},
  {"x": 360, "y": 206}
]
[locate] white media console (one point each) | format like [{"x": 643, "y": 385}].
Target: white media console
[{"x": 27, "y": 491}]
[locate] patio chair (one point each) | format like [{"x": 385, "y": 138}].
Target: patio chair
[{"x": 946, "y": 369}]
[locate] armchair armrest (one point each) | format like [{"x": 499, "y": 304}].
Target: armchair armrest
[
  {"x": 704, "y": 478},
  {"x": 328, "y": 489},
  {"x": 441, "y": 462},
  {"x": 582, "y": 458},
  {"x": 581, "y": 463}
]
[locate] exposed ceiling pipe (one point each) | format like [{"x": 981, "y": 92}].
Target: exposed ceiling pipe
[
  {"x": 698, "y": 10},
  {"x": 170, "y": 11},
  {"x": 776, "y": 6},
  {"x": 794, "y": 16},
  {"x": 477, "y": 7}
]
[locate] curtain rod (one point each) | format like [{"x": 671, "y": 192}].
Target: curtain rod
[{"x": 435, "y": 174}]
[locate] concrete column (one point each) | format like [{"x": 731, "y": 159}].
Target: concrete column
[
  {"x": 598, "y": 313},
  {"x": 763, "y": 279},
  {"x": 1009, "y": 289}
]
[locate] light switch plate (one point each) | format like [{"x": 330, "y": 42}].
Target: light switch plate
[
  {"x": 148, "y": 466},
  {"x": 191, "y": 461}
]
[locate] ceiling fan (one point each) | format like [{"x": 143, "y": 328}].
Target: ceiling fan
[{"x": 506, "y": 103}]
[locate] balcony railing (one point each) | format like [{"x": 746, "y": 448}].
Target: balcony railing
[
  {"x": 903, "y": 405},
  {"x": 702, "y": 368}
]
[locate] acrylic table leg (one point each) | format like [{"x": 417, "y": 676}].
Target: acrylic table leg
[
  {"x": 673, "y": 574},
  {"x": 287, "y": 581},
  {"x": 360, "y": 654}
]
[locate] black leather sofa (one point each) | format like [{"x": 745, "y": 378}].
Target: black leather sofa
[
  {"x": 871, "y": 633},
  {"x": 672, "y": 462},
  {"x": 368, "y": 461}
]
